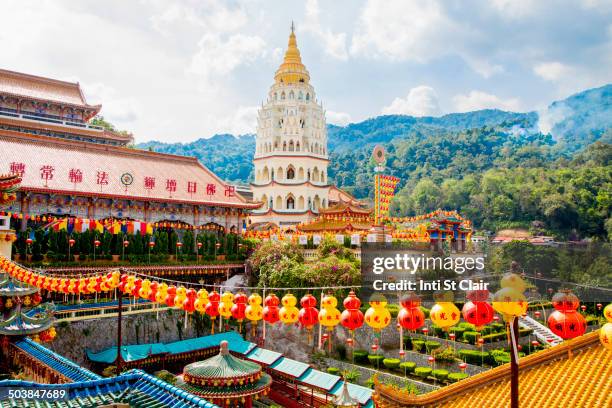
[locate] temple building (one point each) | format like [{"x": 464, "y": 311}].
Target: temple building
[
  {"x": 71, "y": 167},
  {"x": 291, "y": 154}
]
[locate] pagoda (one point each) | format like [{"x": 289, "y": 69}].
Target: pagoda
[
  {"x": 341, "y": 218},
  {"x": 225, "y": 380}
]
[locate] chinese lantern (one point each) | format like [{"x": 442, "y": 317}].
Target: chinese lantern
[
  {"x": 608, "y": 313},
  {"x": 477, "y": 311},
  {"x": 162, "y": 293},
  {"x": 351, "y": 317},
  {"x": 270, "y": 310},
  {"x": 170, "y": 295},
  {"x": 201, "y": 300},
  {"x": 129, "y": 284},
  {"x": 377, "y": 316},
  {"x": 308, "y": 314},
  {"x": 509, "y": 300},
  {"x": 411, "y": 317},
  {"x": 605, "y": 336},
  {"x": 72, "y": 286},
  {"x": 254, "y": 311},
  {"x": 239, "y": 309},
  {"x": 329, "y": 315},
  {"x": 227, "y": 301},
  {"x": 181, "y": 295},
  {"x": 189, "y": 302},
  {"x": 444, "y": 315},
  {"x": 289, "y": 313},
  {"x": 212, "y": 308},
  {"x": 565, "y": 321},
  {"x": 153, "y": 291},
  {"x": 36, "y": 298},
  {"x": 136, "y": 289}
]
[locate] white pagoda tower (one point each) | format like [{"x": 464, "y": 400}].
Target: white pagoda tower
[{"x": 291, "y": 148}]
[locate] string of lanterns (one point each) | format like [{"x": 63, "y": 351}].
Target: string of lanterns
[{"x": 509, "y": 301}]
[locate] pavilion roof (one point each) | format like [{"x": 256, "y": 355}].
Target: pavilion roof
[
  {"x": 578, "y": 371},
  {"x": 20, "y": 324},
  {"x": 344, "y": 207},
  {"x": 322, "y": 224},
  {"x": 55, "y": 361},
  {"x": 135, "y": 388},
  {"x": 43, "y": 89},
  {"x": 290, "y": 367},
  {"x": 12, "y": 287},
  {"x": 336, "y": 194},
  {"x": 109, "y": 164}
]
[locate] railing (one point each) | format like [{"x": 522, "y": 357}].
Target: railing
[
  {"x": 41, "y": 117},
  {"x": 96, "y": 311}
]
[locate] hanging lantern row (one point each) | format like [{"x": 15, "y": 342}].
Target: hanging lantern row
[{"x": 565, "y": 321}]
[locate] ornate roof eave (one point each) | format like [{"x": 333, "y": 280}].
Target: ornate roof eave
[
  {"x": 304, "y": 183},
  {"x": 94, "y": 108}
]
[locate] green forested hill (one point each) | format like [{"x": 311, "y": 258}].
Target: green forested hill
[{"x": 499, "y": 168}]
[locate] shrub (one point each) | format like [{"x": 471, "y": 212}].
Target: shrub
[
  {"x": 418, "y": 345},
  {"x": 333, "y": 370},
  {"x": 471, "y": 336},
  {"x": 375, "y": 359},
  {"x": 351, "y": 376},
  {"x": 391, "y": 363},
  {"x": 408, "y": 366},
  {"x": 498, "y": 327},
  {"x": 422, "y": 372},
  {"x": 474, "y": 356},
  {"x": 454, "y": 377},
  {"x": 440, "y": 374},
  {"x": 431, "y": 345},
  {"x": 466, "y": 326},
  {"x": 360, "y": 356},
  {"x": 458, "y": 332},
  {"x": 393, "y": 309},
  {"x": 445, "y": 355}
]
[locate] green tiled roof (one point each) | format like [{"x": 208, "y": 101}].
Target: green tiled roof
[
  {"x": 139, "y": 351},
  {"x": 319, "y": 379},
  {"x": 290, "y": 367},
  {"x": 222, "y": 366},
  {"x": 264, "y": 356},
  {"x": 222, "y": 392}
]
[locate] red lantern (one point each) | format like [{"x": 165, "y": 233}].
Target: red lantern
[
  {"x": 170, "y": 295},
  {"x": 411, "y": 318},
  {"x": 565, "y": 301},
  {"x": 270, "y": 310},
  {"x": 425, "y": 330},
  {"x": 154, "y": 286},
  {"x": 71, "y": 242},
  {"x": 212, "y": 307},
  {"x": 537, "y": 314},
  {"x": 402, "y": 353},
  {"x": 496, "y": 318},
  {"x": 583, "y": 308},
  {"x": 567, "y": 325},
  {"x": 179, "y": 245},
  {"x": 351, "y": 317},
  {"x": 535, "y": 343},
  {"x": 349, "y": 342},
  {"x": 137, "y": 286},
  {"x": 29, "y": 241},
  {"x": 478, "y": 313},
  {"x": 452, "y": 336},
  {"x": 189, "y": 302},
  {"x": 239, "y": 307},
  {"x": 462, "y": 366},
  {"x": 480, "y": 341},
  {"x": 151, "y": 244},
  {"x": 374, "y": 347},
  {"x": 96, "y": 243},
  {"x": 431, "y": 359},
  {"x": 599, "y": 306},
  {"x": 199, "y": 245},
  {"x": 126, "y": 243},
  {"x": 309, "y": 315}
]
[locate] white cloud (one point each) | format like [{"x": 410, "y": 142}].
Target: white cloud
[
  {"x": 401, "y": 30},
  {"x": 338, "y": 118},
  {"x": 420, "y": 101},
  {"x": 334, "y": 43},
  {"x": 549, "y": 117},
  {"x": 551, "y": 71},
  {"x": 243, "y": 120},
  {"x": 218, "y": 57},
  {"x": 116, "y": 108},
  {"x": 477, "y": 100},
  {"x": 515, "y": 8},
  {"x": 209, "y": 14}
]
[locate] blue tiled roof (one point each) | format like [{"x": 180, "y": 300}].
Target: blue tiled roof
[
  {"x": 135, "y": 387},
  {"x": 139, "y": 351},
  {"x": 362, "y": 394},
  {"x": 58, "y": 363},
  {"x": 263, "y": 356},
  {"x": 290, "y": 367},
  {"x": 319, "y": 379}
]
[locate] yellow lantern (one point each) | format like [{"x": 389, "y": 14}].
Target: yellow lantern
[
  {"x": 181, "y": 295},
  {"x": 201, "y": 301},
  {"x": 605, "y": 336},
  {"x": 608, "y": 313},
  {"x": 288, "y": 314},
  {"x": 145, "y": 289},
  {"x": 377, "y": 316},
  {"x": 329, "y": 315},
  {"x": 162, "y": 292},
  {"x": 444, "y": 315},
  {"x": 129, "y": 284},
  {"x": 254, "y": 311},
  {"x": 91, "y": 284},
  {"x": 113, "y": 279},
  {"x": 509, "y": 302},
  {"x": 227, "y": 301}
]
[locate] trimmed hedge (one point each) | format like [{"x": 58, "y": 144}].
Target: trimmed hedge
[
  {"x": 431, "y": 345},
  {"x": 392, "y": 363},
  {"x": 474, "y": 356},
  {"x": 458, "y": 332},
  {"x": 471, "y": 336},
  {"x": 454, "y": 377},
  {"x": 375, "y": 359},
  {"x": 333, "y": 370},
  {"x": 408, "y": 366},
  {"x": 440, "y": 374},
  {"x": 360, "y": 356},
  {"x": 422, "y": 372},
  {"x": 418, "y": 345}
]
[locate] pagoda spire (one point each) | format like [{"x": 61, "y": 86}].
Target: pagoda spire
[{"x": 292, "y": 69}]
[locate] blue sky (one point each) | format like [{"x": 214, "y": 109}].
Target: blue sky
[{"x": 177, "y": 71}]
